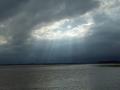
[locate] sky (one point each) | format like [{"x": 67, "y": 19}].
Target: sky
[{"x": 59, "y": 31}]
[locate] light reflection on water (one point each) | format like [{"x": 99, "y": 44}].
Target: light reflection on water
[{"x": 61, "y": 77}]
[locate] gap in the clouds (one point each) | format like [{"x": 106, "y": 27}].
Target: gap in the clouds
[{"x": 77, "y": 27}]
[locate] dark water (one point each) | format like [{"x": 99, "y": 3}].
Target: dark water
[{"x": 62, "y": 77}]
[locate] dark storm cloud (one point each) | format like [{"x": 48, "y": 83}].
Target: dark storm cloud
[
  {"x": 9, "y": 8},
  {"x": 104, "y": 40},
  {"x": 22, "y": 15},
  {"x": 40, "y": 11}
]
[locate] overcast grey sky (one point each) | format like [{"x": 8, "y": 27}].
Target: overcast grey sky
[{"x": 59, "y": 31}]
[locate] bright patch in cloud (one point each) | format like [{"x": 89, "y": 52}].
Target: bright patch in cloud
[
  {"x": 3, "y": 40},
  {"x": 63, "y": 29}
]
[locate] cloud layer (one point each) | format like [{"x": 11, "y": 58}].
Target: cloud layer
[{"x": 19, "y": 19}]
